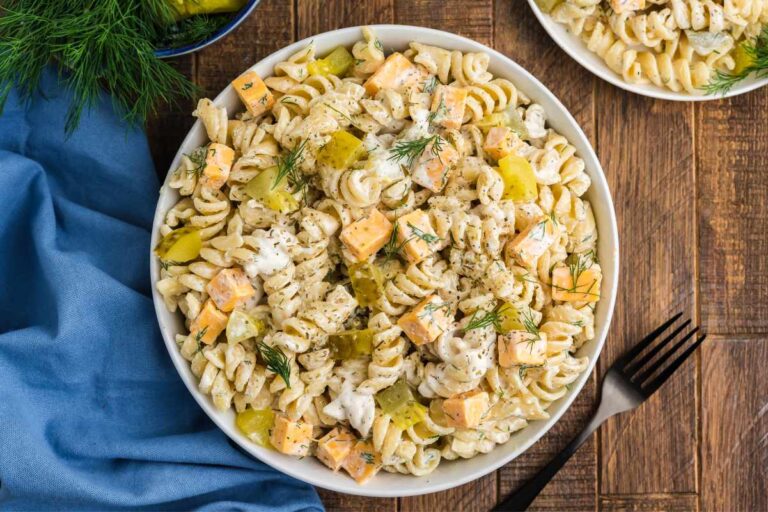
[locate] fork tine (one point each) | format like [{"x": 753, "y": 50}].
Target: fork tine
[
  {"x": 632, "y": 368},
  {"x": 651, "y": 387},
  {"x": 632, "y": 353},
  {"x": 662, "y": 359}
]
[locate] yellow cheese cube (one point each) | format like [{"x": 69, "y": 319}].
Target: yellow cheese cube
[
  {"x": 622, "y": 6},
  {"x": 431, "y": 169},
  {"x": 585, "y": 289},
  {"x": 367, "y": 235},
  {"x": 253, "y": 93},
  {"x": 521, "y": 347},
  {"x": 533, "y": 241},
  {"x": 291, "y": 437},
  {"x": 334, "y": 447},
  {"x": 428, "y": 320},
  {"x": 448, "y": 106},
  {"x": 397, "y": 73},
  {"x": 230, "y": 287},
  {"x": 218, "y": 162},
  {"x": 466, "y": 409},
  {"x": 416, "y": 236},
  {"x": 209, "y": 323},
  {"x": 363, "y": 462},
  {"x": 498, "y": 142}
]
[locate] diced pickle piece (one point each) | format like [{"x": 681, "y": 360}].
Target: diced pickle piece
[
  {"x": 409, "y": 415},
  {"x": 180, "y": 245},
  {"x": 342, "y": 150},
  {"x": 256, "y": 424},
  {"x": 242, "y": 326},
  {"x": 744, "y": 59},
  {"x": 351, "y": 344},
  {"x": 519, "y": 179},
  {"x": 392, "y": 398},
  {"x": 367, "y": 283},
  {"x": 275, "y": 196},
  {"x": 335, "y": 63},
  {"x": 509, "y": 118}
]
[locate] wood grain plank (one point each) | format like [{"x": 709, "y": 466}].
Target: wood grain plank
[
  {"x": 734, "y": 423},
  {"x": 167, "y": 127},
  {"x": 732, "y": 195},
  {"x": 518, "y": 35},
  {"x": 314, "y": 17},
  {"x": 649, "y": 503},
  {"x": 317, "y": 16},
  {"x": 473, "y": 20},
  {"x": 652, "y": 449}
]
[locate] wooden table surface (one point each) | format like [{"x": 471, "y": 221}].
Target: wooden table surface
[{"x": 690, "y": 185}]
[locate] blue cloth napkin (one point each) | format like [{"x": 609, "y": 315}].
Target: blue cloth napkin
[{"x": 92, "y": 413}]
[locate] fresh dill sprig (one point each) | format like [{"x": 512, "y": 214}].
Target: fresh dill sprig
[
  {"x": 190, "y": 30},
  {"x": 482, "y": 318},
  {"x": 197, "y": 157},
  {"x": 97, "y": 45},
  {"x": 166, "y": 264},
  {"x": 440, "y": 112},
  {"x": 577, "y": 265},
  {"x": 199, "y": 338},
  {"x": 431, "y": 84},
  {"x": 529, "y": 324},
  {"x": 342, "y": 114},
  {"x": 757, "y": 53},
  {"x": 411, "y": 150},
  {"x": 288, "y": 167},
  {"x": 418, "y": 233},
  {"x": 391, "y": 248},
  {"x": 276, "y": 361},
  {"x": 433, "y": 307}
]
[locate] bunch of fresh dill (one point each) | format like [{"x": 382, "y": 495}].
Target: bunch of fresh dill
[
  {"x": 757, "y": 56},
  {"x": 97, "y": 45}
]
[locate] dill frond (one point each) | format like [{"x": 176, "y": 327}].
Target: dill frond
[
  {"x": 276, "y": 361},
  {"x": 757, "y": 51}
]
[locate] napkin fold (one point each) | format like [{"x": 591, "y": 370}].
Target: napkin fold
[{"x": 92, "y": 413}]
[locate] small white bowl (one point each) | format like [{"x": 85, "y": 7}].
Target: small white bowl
[
  {"x": 578, "y": 51},
  {"x": 448, "y": 474}
]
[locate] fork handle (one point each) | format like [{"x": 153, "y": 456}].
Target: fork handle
[{"x": 524, "y": 496}]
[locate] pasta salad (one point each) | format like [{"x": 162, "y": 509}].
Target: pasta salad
[
  {"x": 385, "y": 261},
  {"x": 683, "y": 45}
]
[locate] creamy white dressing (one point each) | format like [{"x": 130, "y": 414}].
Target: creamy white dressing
[
  {"x": 357, "y": 408},
  {"x": 270, "y": 252},
  {"x": 535, "y": 120}
]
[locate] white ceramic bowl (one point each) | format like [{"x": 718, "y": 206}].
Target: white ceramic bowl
[
  {"x": 575, "y": 47},
  {"x": 448, "y": 474}
]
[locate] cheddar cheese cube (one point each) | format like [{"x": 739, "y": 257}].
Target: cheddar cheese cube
[
  {"x": 416, "y": 236},
  {"x": 209, "y": 323},
  {"x": 466, "y": 409},
  {"x": 431, "y": 169},
  {"x": 363, "y": 462},
  {"x": 622, "y": 6},
  {"x": 366, "y": 236},
  {"x": 533, "y": 241},
  {"x": 498, "y": 142},
  {"x": 291, "y": 437},
  {"x": 253, "y": 93},
  {"x": 397, "y": 73},
  {"x": 428, "y": 320},
  {"x": 585, "y": 289},
  {"x": 334, "y": 447},
  {"x": 229, "y": 288},
  {"x": 218, "y": 162},
  {"x": 521, "y": 348},
  {"x": 448, "y": 106}
]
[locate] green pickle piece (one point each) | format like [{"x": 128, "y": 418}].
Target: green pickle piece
[
  {"x": 180, "y": 245},
  {"x": 510, "y": 118},
  {"x": 519, "y": 179},
  {"x": 335, "y": 63},
  {"x": 395, "y": 396},
  {"x": 351, "y": 344},
  {"x": 242, "y": 326},
  {"x": 509, "y": 319},
  {"x": 744, "y": 59},
  {"x": 256, "y": 424},
  {"x": 342, "y": 150},
  {"x": 367, "y": 283},
  {"x": 274, "y": 196},
  {"x": 409, "y": 415}
]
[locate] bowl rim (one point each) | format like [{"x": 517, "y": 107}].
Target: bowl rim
[
  {"x": 608, "y": 300},
  {"x": 237, "y": 19},
  {"x": 560, "y": 35}
]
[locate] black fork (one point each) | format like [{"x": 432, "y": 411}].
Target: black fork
[{"x": 632, "y": 379}]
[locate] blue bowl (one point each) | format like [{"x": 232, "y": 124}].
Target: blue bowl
[{"x": 236, "y": 20}]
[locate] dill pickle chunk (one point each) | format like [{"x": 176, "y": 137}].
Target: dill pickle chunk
[
  {"x": 351, "y": 344},
  {"x": 180, "y": 245},
  {"x": 256, "y": 424},
  {"x": 367, "y": 283},
  {"x": 519, "y": 178},
  {"x": 275, "y": 196},
  {"x": 509, "y": 319},
  {"x": 516, "y": 123},
  {"x": 335, "y": 63},
  {"x": 341, "y": 151},
  {"x": 395, "y": 396},
  {"x": 437, "y": 413},
  {"x": 743, "y": 58},
  {"x": 494, "y": 120},
  {"x": 409, "y": 415},
  {"x": 242, "y": 326},
  {"x": 510, "y": 118}
]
